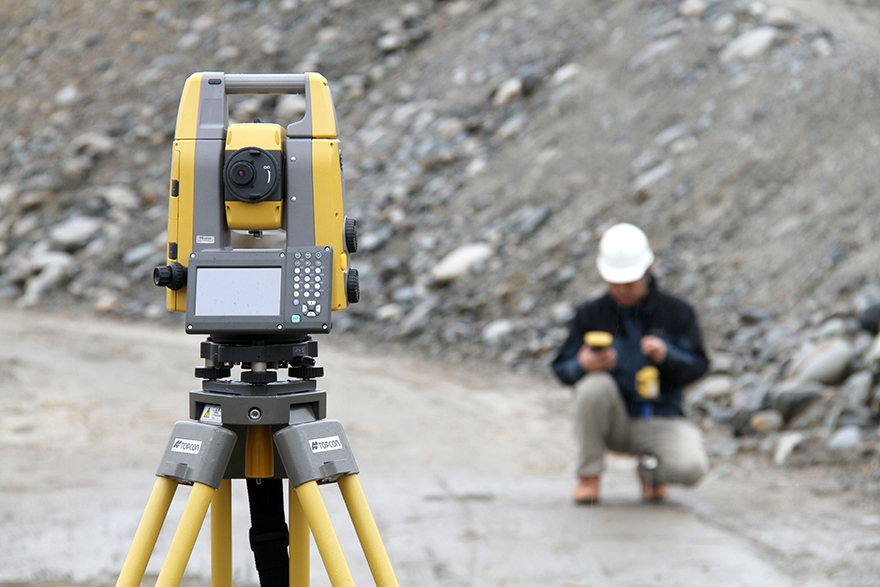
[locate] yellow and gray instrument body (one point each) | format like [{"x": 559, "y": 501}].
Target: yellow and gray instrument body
[{"x": 256, "y": 177}]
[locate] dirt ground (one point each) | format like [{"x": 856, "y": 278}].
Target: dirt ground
[{"x": 467, "y": 471}]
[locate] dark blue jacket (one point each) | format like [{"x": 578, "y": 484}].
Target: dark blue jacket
[{"x": 660, "y": 314}]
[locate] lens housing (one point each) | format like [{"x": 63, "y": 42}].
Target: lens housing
[{"x": 250, "y": 175}]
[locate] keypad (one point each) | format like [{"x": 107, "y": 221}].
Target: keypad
[{"x": 309, "y": 280}]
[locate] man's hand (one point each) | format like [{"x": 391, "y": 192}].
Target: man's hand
[
  {"x": 654, "y": 348},
  {"x": 593, "y": 361}
]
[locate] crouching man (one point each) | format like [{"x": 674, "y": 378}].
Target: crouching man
[{"x": 649, "y": 328}]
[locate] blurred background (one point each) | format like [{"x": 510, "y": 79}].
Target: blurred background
[{"x": 487, "y": 144}]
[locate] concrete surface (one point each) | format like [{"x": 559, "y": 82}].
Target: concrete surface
[{"x": 467, "y": 472}]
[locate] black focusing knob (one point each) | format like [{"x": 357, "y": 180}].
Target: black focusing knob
[
  {"x": 351, "y": 235},
  {"x": 172, "y": 276},
  {"x": 353, "y": 287}
]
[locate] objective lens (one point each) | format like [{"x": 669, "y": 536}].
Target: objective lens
[{"x": 242, "y": 173}]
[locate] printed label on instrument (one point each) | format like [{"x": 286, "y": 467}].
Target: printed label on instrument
[
  {"x": 325, "y": 444},
  {"x": 187, "y": 446},
  {"x": 202, "y": 239},
  {"x": 212, "y": 415}
]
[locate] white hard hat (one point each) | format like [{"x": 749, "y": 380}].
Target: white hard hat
[{"x": 624, "y": 254}]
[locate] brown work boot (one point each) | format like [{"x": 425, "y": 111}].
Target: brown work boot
[
  {"x": 587, "y": 490},
  {"x": 653, "y": 491}
]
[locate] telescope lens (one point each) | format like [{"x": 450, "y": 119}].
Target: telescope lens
[
  {"x": 251, "y": 175},
  {"x": 242, "y": 173}
]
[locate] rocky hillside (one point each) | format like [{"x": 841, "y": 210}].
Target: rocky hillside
[{"x": 487, "y": 144}]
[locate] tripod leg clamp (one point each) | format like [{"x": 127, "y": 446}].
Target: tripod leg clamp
[
  {"x": 315, "y": 451},
  {"x": 197, "y": 453}
]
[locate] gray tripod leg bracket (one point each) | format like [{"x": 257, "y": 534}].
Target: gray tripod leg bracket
[
  {"x": 315, "y": 451},
  {"x": 197, "y": 453}
]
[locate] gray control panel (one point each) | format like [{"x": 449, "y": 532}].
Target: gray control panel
[{"x": 258, "y": 291}]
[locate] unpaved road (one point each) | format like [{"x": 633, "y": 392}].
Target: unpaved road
[{"x": 467, "y": 472}]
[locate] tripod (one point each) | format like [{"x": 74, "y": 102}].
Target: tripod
[{"x": 285, "y": 431}]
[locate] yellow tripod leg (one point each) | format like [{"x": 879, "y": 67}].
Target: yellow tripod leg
[
  {"x": 221, "y": 536},
  {"x": 185, "y": 537},
  {"x": 299, "y": 542},
  {"x": 325, "y": 536},
  {"x": 368, "y": 533},
  {"x": 147, "y": 533}
]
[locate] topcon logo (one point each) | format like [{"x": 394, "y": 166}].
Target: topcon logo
[
  {"x": 325, "y": 444},
  {"x": 185, "y": 445}
]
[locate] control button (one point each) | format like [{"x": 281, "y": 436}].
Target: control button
[
  {"x": 295, "y": 318},
  {"x": 295, "y": 301},
  {"x": 306, "y": 294},
  {"x": 298, "y": 255}
]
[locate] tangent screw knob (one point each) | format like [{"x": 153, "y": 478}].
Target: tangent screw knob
[
  {"x": 351, "y": 235},
  {"x": 353, "y": 287}
]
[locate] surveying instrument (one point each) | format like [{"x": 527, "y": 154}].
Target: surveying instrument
[{"x": 258, "y": 308}]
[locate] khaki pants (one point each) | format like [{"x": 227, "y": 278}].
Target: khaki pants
[{"x": 603, "y": 423}]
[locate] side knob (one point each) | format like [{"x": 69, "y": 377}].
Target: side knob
[
  {"x": 353, "y": 287},
  {"x": 351, "y": 235},
  {"x": 172, "y": 276}
]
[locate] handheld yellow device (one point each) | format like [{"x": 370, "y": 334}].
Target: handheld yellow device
[{"x": 598, "y": 340}]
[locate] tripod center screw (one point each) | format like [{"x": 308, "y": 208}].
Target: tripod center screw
[{"x": 255, "y": 414}]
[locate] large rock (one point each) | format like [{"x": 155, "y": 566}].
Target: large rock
[
  {"x": 827, "y": 362},
  {"x": 75, "y": 232},
  {"x": 766, "y": 421},
  {"x": 845, "y": 440},
  {"x": 857, "y": 388},
  {"x": 793, "y": 397},
  {"x": 459, "y": 262},
  {"x": 749, "y": 45}
]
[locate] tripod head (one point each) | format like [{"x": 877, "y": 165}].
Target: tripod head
[{"x": 260, "y": 360}]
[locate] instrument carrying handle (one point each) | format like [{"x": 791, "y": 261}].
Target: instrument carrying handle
[{"x": 266, "y": 83}]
